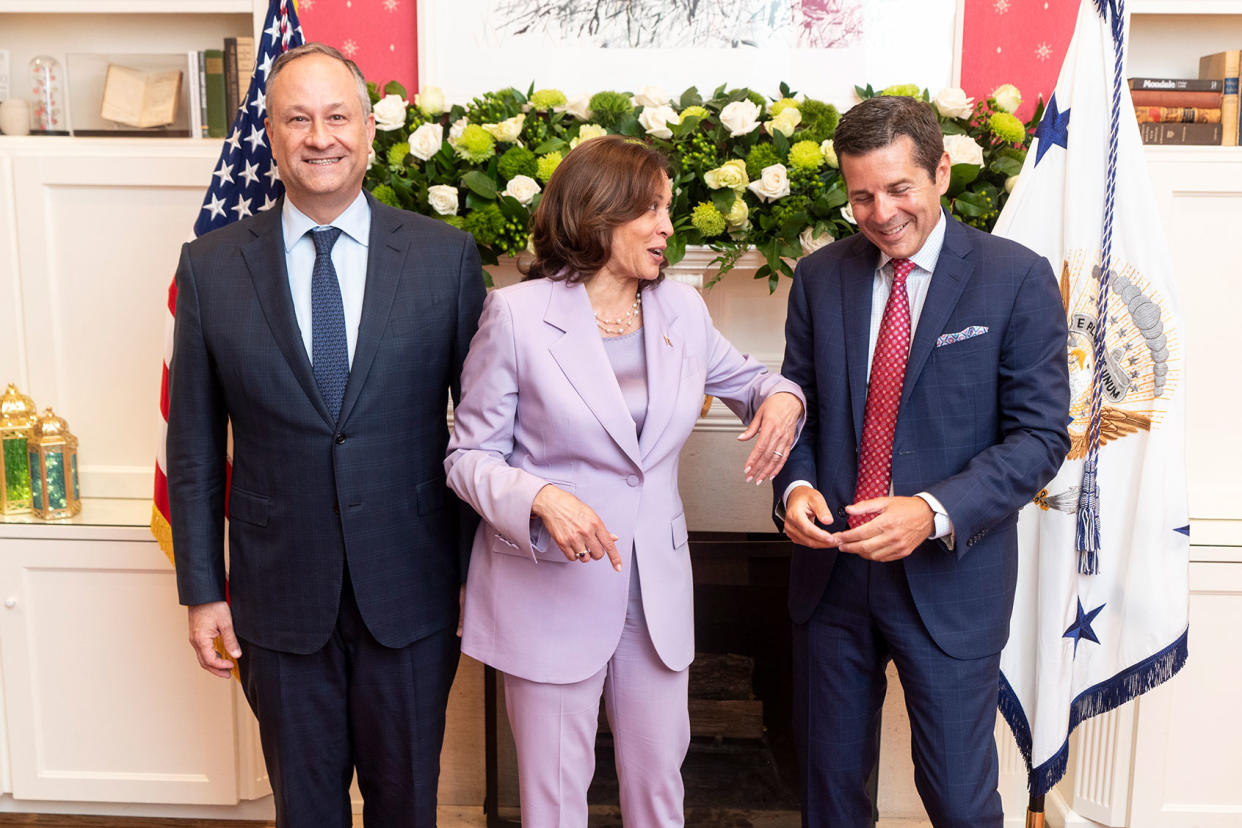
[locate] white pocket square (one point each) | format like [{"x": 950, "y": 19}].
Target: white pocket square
[{"x": 964, "y": 333}]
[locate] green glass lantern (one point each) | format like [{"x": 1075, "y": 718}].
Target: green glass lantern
[
  {"x": 17, "y": 417},
  {"x": 53, "y": 468}
]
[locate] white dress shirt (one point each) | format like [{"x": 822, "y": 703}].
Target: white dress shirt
[
  {"x": 917, "y": 285},
  {"x": 349, "y": 257}
]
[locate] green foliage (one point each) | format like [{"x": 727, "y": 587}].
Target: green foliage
[{"x": 731, "y": 218}]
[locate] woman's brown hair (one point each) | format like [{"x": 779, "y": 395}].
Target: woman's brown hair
[{"x": 600, "y": 185}]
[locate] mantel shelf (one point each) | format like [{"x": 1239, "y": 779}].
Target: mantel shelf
[{"x": 127, "y": 6}]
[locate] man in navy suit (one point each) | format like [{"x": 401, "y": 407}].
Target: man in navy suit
[
  {"x": 328, "y": 333},
  {"x": 936, "y": 409}
]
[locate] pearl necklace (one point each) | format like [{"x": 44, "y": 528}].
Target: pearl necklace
[{"x": 623, "y": 322}]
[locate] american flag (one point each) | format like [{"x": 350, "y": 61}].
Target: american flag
[{"x": 244, "y": 182}]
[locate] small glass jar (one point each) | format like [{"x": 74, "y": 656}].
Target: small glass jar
[{"x": 47, "y": 87}]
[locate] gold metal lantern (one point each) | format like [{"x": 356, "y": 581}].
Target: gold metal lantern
[
  {"x": 17, "y": 417},
  {"x": 53, "y": 468}
]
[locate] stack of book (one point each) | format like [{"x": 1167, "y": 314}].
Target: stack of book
[
  {"x": 219, "y": 80},
  {"x": 1191, "y": 111}
]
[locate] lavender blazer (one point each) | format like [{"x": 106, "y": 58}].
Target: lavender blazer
[{"x": 540, "y": 404}]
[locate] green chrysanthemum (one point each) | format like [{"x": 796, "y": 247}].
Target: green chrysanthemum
[
  {"x": 544, "y": 99},
  {"x": 546, "y": 165},
  {"x": 781, "y": 105},
  {"x": 608, "y": 108},
  {"x": 909, "y": 90},
  {"x": 694, "y": 112},
  {"x": 475, "y": 144},
  {"x": 485, "y": 223},
  {"x": 707, "y": 220},
  {"x": 819, "y": 120},
  {"x": 806, "y": 155},
  {"x": 517, "y": 161},
  {"x": 1007, "y": 127},
  {"x": 385, "y": 195},
  {"x": 761, "y": 156},
  {"x": 757, "y": 99},
  {"x": 397, "y": 153},
  {"x": 454, "y": 221}
]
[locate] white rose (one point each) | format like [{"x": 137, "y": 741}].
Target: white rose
[
  {"x": 586, "y": 132},
  {"x": 740, "y": 117},
  {"x": 812, "y": 241},
  {"x": 785, "y": 123},
  {"x": 951, "y": 102},
  {"x": 1010, "y": 183},
  {"x": 656, "y": 120},
  {"x": 579, "y": 107},
  {"x": 458, "y": 127},
  {"x": 443, "y": 199},
  {"x": 508, "y": 130},
  {"x": 738, "y": 215},
  {"x": 1007, "y": 97},
  {"x": 772, "y": 184},
  {"x": 830, "y": 154},
  {"x": 426, "y": 141},
  {"x": 371, "y": 157},
  {"x": 962, "y": 149},
  {"x": 521, "y": 187},
  {"x": 430, "y": 100},
  {"x": 731, "y": 173},
  {"x": 847, "y": 213},
  {"x": 651, "y": 96},
  {"x": 389, "y": 113}
]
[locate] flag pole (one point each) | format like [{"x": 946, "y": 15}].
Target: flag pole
[{"x": 1035, "y": 812}]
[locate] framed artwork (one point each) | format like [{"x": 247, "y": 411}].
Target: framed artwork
[{"x": 821, "y": 48}]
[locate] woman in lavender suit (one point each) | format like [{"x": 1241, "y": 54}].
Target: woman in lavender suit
[{"x": 578, "y": 392}]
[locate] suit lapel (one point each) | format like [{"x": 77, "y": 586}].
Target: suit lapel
[
  {"x": 580, "y": 355},
  {"x": 857, "y": 282},
  {"x": 948, "y": 281},
  {"x": 386, "y": 257},
  {"x": 663, "y": 345},
  {"x": 265, "y": 259}
]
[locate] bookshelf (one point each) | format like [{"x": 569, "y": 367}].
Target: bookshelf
[{"x": 1167, "y": 37}]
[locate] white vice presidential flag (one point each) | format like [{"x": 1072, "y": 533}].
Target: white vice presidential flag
[{"x": 1101, "y": 611}]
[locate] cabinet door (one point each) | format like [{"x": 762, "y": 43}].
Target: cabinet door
[
  {"x": 1186, "y": 760},
  {"x": 104, "y": 700}
]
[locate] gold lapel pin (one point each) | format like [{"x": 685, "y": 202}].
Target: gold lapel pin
[{"x": 667, "y": 341}]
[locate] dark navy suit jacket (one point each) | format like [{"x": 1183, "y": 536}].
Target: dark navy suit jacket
[
  {"x": 981, "y": 426},
  {"x": 308, "y": 490}
]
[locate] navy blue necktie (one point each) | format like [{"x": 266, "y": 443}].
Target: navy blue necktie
[{"x": 329, "y": 347}]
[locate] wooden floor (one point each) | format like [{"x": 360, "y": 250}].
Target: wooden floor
[{"x": 448, "y": 818}]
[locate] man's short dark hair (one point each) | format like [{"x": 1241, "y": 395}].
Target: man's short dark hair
[{"x": 876, "y": 122}]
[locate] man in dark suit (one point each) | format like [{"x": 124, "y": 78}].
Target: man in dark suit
[
  {"x": 933, "y": 360},
  {"x": 328, "y": 333}
]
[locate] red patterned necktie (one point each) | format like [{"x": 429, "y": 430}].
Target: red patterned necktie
[{"x": 888, "y": 372}]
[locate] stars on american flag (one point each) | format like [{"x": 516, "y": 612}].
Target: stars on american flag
[{"x": 245, "y": 180}]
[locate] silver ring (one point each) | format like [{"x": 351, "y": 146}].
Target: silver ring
[
  {"x": 582, "y": 556},
  {"x": 777, "y": 453}
]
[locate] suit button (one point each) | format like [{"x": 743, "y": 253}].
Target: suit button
[
  {"x": 841, "y": 513},
  {"x": 631, "y": 481},
  {"x": 340, "y": 438}
]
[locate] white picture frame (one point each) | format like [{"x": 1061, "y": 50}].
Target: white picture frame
[{"x": 464, "y": 50}]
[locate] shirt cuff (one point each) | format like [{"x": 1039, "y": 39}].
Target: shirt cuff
[{"x": 943, "y": 526}]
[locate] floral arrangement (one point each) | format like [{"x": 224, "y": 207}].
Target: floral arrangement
[{"x": 747, "y": 171}]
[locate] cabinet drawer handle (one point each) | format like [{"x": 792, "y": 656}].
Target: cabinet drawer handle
[{"x": 10, "y": 602}]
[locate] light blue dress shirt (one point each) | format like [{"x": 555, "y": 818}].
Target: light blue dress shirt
[{"x": 349, "y": 257}]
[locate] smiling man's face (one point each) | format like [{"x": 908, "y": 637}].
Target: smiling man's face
[
  {"x": 895, "y": 202},
  {"x": 320, "y": 137}
]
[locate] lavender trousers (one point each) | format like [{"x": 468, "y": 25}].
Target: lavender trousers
[{"x": 554, "y": 727}]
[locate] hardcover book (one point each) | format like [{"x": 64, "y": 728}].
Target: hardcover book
[
  {"x": 1224, "y": 65},
  {"x": 140, "y": 99},
  {"x": 1184, "y": 134}
]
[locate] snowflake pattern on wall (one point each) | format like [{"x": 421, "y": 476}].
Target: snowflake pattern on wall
[
  {"x": 390, "y": 6},
  {"x": 1043, "y": 51},
  {"x": 349, "y": 47},
  {"x": 1001, "y": 6},
  {"x": 305, "y": 5}
]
